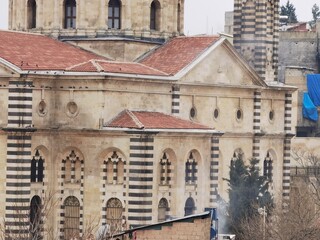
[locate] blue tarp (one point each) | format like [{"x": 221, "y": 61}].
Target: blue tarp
[
  {"x": 313, "y": 84},
  {"x": 309, "y": 110}
]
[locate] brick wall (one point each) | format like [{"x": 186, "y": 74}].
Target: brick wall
[{"x": 198, "y": 229}]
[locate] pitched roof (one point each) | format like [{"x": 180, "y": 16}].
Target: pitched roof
[
  {"x": 36, "y": 52},
  {"x": 152, "y": 120},
  {"x": 115, "y": 67},
  {"x": 178, "y": 53}
]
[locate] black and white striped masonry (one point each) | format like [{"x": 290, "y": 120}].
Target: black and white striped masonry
[
  {"x": 175, "y": 100},
  {"x": 256, "y": 124},
  {"x": 287, "y": 147},
  {"x": 214, "y": 171},
  {"x": 140, "y": 180},
  {"x": 256, "y": 35},
  {"x": 19, "y": 131}
]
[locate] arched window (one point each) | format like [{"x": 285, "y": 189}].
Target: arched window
[
  {"x": 165, "y": 170},
  {"x": 179, "y": 17},
  {"x": 114, "y": 14},
  {"x": 191, "y": 170},
  {"x": 267, "y": 167},
  {"x": 155, "y": 15},
  {"x": 31, "y": 14},
  {"x": 71, "y": 218},
  {"x": 37, "y": 167},
  {"x": 70, "y": 9},
  {"x": 35, "y": 217},
  {"x": 72, "y": 167},
  {"x": 114, "y": 215},
  {"x": 189, "y": 207},
  {"x": 114, "y": 168},
  {"x": 162, "y": 209}
]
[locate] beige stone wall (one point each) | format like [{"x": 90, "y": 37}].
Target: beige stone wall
[
  {"x": 116, "y": 50},
  {"x": 199, "y": 229},
  {"x": 92, "y": 17}
]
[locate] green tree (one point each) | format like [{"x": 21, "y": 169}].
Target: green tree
[
  {"x": 248, "y": 191},
  {"x": 290, "y": 11},
  {"x": 315, "y": 14}
]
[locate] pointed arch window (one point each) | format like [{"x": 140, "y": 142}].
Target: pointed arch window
[
  {"x": 155, "y": 15},
  {"x": 165, "y": 170},
  {"x": 37, "y": 167},
  {"x": 267, "y": 167},
  {"x": 35, "y": 217},
  {"x": 162, "y": 210},
  {"x": 189, "y": 207},
  {"x": 72, "y": 167},
  {"x": 191, "y": 170},
  {"x": 114, "y": 215},
  {"x": 114, "y": 14},
  {"x": 31, "y": 14},
  {"x": 114, "y": 169},
  {"x": 71, "y": 218},
  {"x": 70, "y": 9}
]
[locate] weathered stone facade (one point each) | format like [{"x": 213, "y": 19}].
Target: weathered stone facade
[{"x": 58, "y": 120}]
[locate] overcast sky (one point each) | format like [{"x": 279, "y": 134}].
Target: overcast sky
[{"x": 201, "y": 16}]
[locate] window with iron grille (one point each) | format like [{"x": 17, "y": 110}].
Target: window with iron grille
[
  {"x": 114, "y": 215},
  {"x": 35, "y": 217},
  {"x": 70, "y": 14},
  {"x": 31, "y": 14},
  {"x": 191, "y": 170},
  {"x": 114, "y": 14},
  {"x": 162, "y": 210},
  {"x": 71, "y": 218},
  {"x": 37, "y": 167}
]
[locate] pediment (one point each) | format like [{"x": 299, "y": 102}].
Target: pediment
[
  {"x": 6, "y": 72},
  {"x": 223, "y": 66}
]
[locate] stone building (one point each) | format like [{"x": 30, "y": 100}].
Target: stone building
[{"x": 122, "y": 143}]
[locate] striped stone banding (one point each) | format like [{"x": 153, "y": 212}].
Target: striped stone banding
[
  {"x": 18, "y": 157},
  {"x": 175, "y": 108},
  {"x": 140, "y": 184},
  {"x": 286, "y": 170},
  {"x": 214, "y": 172},
  {"x": 256, "y": 24},
  {"x": 287, "y": 112},
  {"x": 257, "y": 112},
  {"x": 74, "y": 160}
]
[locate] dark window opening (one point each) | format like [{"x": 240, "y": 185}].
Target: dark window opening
[
  {"x": 70, "y": 14},
  {"x": 32, "y": 14},
  {"x": 267, "y": 167},
  {"x": 189, "y": 207},
  {"x": 178, "y": 18},
  {"x": 114, "y": 14},
  {"x": 37, "y": 168}
]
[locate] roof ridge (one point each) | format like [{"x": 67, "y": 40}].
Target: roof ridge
[
  {"x": 157, "y": 70},
  {"x": 135, "y": 119},
  {"x": 77, "y": 65},
  {"x": 96, "y": 65}
]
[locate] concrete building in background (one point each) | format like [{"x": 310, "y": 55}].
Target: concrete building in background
[{"x": 120, "y": 142}]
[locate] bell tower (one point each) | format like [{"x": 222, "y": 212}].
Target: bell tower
[
  {"x": 145, "y": 19},
  {"x": 256, "y": 35}
]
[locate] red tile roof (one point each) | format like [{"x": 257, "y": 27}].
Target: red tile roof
[
  {"x": 36, "y": 52},
  {"x": 152, "y": 120},
  {"x": 178, "y": 53},
  {"x": 115, "y": 67}
]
